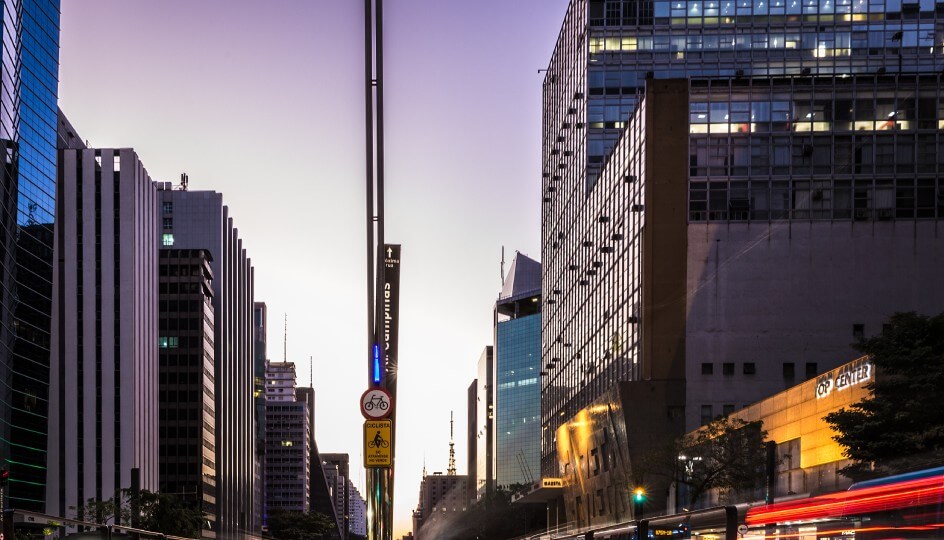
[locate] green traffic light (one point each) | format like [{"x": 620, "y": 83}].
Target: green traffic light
[{"x": 639, "y": 495}]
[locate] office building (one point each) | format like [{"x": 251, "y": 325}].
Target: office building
[
  {"x": 187, "y": 396},
  {"x": 358, "y": 506},
  {"x": 442, "y": 499},
  {"x": 28, "y": 126},
  {"x": 832, "y": 114},
  {"x": 472, "y": 437},
  {"x": 103, "y": 379},
  {"x": 288, "y": 442},
  {"x": 517, "y": 375},
  {"x": 485, "y": 429},
  {"x": 747, "y": 277},
  {"x": 337, "y": 470},
  {"x": 200, "y": 220},
  {"x": 259, "y": 337}
]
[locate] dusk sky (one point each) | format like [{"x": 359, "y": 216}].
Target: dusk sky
[{"x": 263, "y": 101}]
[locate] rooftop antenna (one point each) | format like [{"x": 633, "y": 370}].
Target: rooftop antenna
[
  {"x": 424, "y": 464},
  {"x": 451, "y": 471},
  {"x": 285, "y": 341},
  {"x": 184, "y": 181},
  {"x": 503, "y": 267},
  {"x": 311, "y": 372}
]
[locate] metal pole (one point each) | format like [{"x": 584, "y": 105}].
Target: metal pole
[{"x": 379, "y": 481}]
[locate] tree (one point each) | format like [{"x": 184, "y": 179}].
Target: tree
[
  {"x": 728, "y": 454},
  {"x": 158, "y": 512},
  {"x": 901, "y": 425},
  {"x": 288, "y": 525}
]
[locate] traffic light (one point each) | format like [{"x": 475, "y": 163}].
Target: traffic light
[
  {"x": 639, "y": 499},
  {"x": 4, "y": 477}
]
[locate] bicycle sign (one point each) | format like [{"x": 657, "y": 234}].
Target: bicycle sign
[
  {"x": 378, "y": 438},
  {"x": 376, "y": 403}
]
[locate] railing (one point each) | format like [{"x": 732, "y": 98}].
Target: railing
[{"x": 12, "y": 519}]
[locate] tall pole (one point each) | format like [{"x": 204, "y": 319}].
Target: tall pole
[{"x": 379, "y": 480}]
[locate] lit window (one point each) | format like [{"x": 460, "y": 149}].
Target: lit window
[{"x": 167, "y": 239}]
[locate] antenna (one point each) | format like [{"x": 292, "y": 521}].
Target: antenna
[
  {"x": 503, "y": 267},
  {"x": 451, "y": 471},
  {"x": 285, "y": 341},
  {"x": 311, "y": 372},
  {"x": 184, "y": 181}
]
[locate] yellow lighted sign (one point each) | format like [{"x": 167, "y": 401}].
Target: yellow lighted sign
[
  {"x": 552, "y": 482},
  {"x": 378, "y": 444}
]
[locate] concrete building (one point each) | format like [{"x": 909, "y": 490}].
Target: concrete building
[
  {"x": 103, "y": 380},
  {"x": 187, "y": 389},
  {"x": 28, "y": 120},
  {"x": 260, "y": 320},
  {"x": 472, "y": 438},
  {"x": 358, "y": 506},
  {"x": 517, "y": 390},
  {"x": 288, "y": 442},
  {"x": 484, "y": 429},
  {"x": 337, "y": 470},
  {"x": 200, "y": 220},
  {"x": 442, "y": 499},
  {"x": 701, "y": 283}
]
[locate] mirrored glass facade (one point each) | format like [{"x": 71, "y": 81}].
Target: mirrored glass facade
[
  {"x": 29, "y": 71},
  {"x": 518, "y": 400}
]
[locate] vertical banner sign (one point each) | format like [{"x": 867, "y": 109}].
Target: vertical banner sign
[{"x": 391, "y": 314}]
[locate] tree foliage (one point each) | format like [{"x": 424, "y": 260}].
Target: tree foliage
[
  {"x": 728, "y": 455},
  {"x": 901, "y": 425},
  {"x": 287, "y": 525},
  {"x": 157, "y": 512}
]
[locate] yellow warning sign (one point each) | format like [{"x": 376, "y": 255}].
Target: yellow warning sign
[{"x": 378, "y": 444}]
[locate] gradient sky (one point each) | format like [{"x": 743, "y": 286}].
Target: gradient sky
[{"x": 263, "y": 101}]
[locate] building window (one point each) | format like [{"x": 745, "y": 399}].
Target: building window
[
  {"x": 789, "y": 370},
  {"x": 167, "y": 207},
  {"x": 750, "y": 368},
  {"x": 858, "y": 332},
  {"x": 168, "y": 223},
  {"x": 727, "y": 409},
  {"x": 706, "y": 415},
  {"x": 707, "y": 368},
  {"x": 167, "y": 239},
  {"x": 811, "y": 370},
  {"x": 168, "y": 342},
  {"x": 727, "y": 368}
]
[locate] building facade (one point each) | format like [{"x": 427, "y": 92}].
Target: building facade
[
  {"x": 187, "y": 395},
  {"x": 288, "y": 442},
  {"x": 358, "y": 506},
  {"x": 200, "y": 220},
  {"x": 472, "y": 437},
  {"x": 337, "y": 470},
  {"x": 646, "y": 281},
  {"x": 260, "y": 320},
  {"x": 442, "y": 499},
  {"x": 826, "y": 261},
  {"x": 485, "y": 429},
  {"x": 103, "y": 400},
  {"x": 28, "y": 127},
  {"x": 517, "y": 394}
]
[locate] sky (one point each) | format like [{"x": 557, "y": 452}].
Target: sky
[{"x": 263, "y": 101}]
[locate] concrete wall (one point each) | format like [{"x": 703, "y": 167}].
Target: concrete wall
[{"x": 771, "y": 293}]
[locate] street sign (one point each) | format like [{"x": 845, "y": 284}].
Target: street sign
[
  {"x": 378, "y": 444},
  {"x": 376, "y": 403},
  {"x": 742, "y": 529}
]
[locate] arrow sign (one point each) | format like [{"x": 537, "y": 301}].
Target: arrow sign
[{"x": 389, "y": 252}]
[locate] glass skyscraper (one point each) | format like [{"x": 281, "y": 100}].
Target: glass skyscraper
[
  {"x": 517, "y": 375},
  {"x": 29, "y": 72},
  {"x": 518, "y": 404}
]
